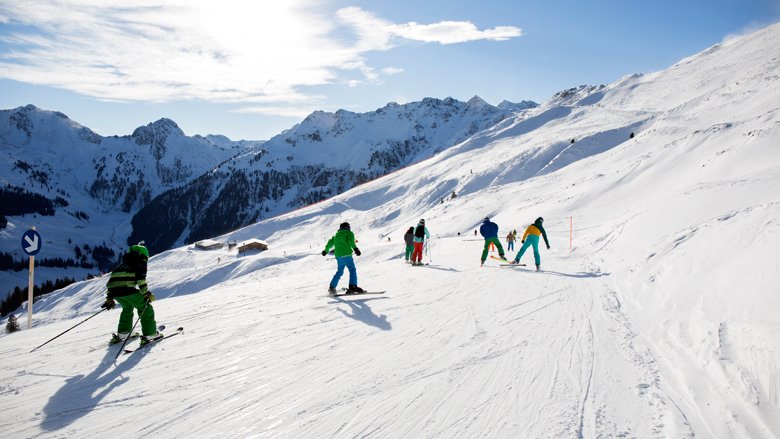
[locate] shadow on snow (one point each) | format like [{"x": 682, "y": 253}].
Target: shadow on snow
[
  {"x": 82, "y": 394},
  {"x": 362, "y": 312}
]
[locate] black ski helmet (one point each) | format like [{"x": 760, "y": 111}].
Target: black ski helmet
[{"x": 344, "y": 225}]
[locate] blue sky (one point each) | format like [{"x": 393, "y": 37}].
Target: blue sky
[{"x": 249, "y": 70}]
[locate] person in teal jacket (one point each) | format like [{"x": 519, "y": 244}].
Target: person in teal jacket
[
  {"x": 343, "y": 243},
  {"x": 531, "y": 238}
]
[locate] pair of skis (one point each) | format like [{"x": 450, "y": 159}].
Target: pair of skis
[
  {"x": 505, "y": 262},
  {"x": 178, "y": 331}
]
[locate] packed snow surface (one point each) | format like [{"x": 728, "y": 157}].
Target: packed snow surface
[{"x": 659, "y": 321}]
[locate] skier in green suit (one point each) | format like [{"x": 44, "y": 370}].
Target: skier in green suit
[{"x": 127, "y": 285}]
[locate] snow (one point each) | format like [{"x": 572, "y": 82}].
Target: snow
[
  {"x": 46, "y": 153},
  {"x": 661, "y": 321}
]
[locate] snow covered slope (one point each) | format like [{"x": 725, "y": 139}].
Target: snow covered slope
[
  {"x": 80, "y": 189},
  {"x": 660, "y": 322}
]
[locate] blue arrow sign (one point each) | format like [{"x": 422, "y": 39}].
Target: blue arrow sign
[{"x": 31, "y": 242}]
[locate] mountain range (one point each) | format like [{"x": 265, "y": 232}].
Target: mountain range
[{"x": 92, "y": 195}]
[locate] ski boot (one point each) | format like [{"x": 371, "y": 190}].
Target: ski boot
[
  {"x": 354, "y": 289},
  {"x": 332, "y": 291},
  {"x": 118, "y": 338},
  {"x": 145, "y": 340},
  {"x": 538, "y": 268}
]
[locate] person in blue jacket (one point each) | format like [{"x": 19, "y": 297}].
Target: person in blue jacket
[{"x": 489, "y": 230}]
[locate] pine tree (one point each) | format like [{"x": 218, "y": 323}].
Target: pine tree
[{"x": 12, "y": 325}]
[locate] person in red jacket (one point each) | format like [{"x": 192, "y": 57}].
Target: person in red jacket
[{"x": 420, "y": 235}]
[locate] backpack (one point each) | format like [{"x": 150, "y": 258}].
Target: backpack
[{"x": 419, "y": 232}]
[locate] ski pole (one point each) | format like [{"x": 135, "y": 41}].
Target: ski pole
[
  {"x": 121, "y": 348},
  {"x": 63, "y": 332}
]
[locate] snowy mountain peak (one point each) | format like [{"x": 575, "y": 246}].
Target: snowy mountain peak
[
  {"x": 145, "y": 135},
  {"x": 29, "y": 123},
  {"x": 477, "y": 102},
  {"x": 574, "y": 95},
  {"x": 516, "y": 106},
  {"x": 319, "y": 120},
  {"x": 156, "y": 135}
]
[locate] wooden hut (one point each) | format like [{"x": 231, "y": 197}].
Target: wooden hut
[
  {"x": 252, "y": 244},
  {"x": 208, "y": 244}
]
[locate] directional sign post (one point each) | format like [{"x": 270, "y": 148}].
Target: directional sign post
[{"x": 31, "y": 244}]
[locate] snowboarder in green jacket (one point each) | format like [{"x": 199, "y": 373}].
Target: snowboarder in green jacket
[{"x": 343, "y": 243}]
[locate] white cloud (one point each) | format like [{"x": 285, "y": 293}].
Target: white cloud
[
  {"x": 378, "y": 34},
  {"x": 389, "y": 71},
  {"x": 451, "y": 32},
  {"x": 261, "y": 53}
]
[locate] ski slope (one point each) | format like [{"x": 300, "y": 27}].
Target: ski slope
[
  {"x": 452, "y": 350},
  {"x": 660, "y": 321}
]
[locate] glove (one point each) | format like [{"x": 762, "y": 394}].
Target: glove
[
  {"x": 522, "y": 242},
  {"x": 148, "y": 296},
  {"x": 357, "y": 251},
  {"x": 324, "y": 253},
  {"x": 109, "y": 304}
]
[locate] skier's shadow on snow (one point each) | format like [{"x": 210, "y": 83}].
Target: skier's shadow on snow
[
  {"x": 81, "y": 394},
  {"x": 437, "y": 267},
  {"x": 577, "y": 275},
  {"x": 361, "y": 311}
]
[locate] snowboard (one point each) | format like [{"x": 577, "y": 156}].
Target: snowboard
[{"x": 344, "y": 292}]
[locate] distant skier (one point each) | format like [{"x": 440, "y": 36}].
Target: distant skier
[
  {"x": 510, "y": 241},
  {"x": 489, "y": 230},
  {"x": 531, "y": 238},
  {"x": 127, "y": 285},
  {"x": 409, "y": 240},
  {"x": 420, "y": 235},
  {"x": 343, "y": 243}
]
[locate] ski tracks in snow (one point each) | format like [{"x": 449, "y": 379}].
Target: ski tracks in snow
[{"x": 471, "y": 352}]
